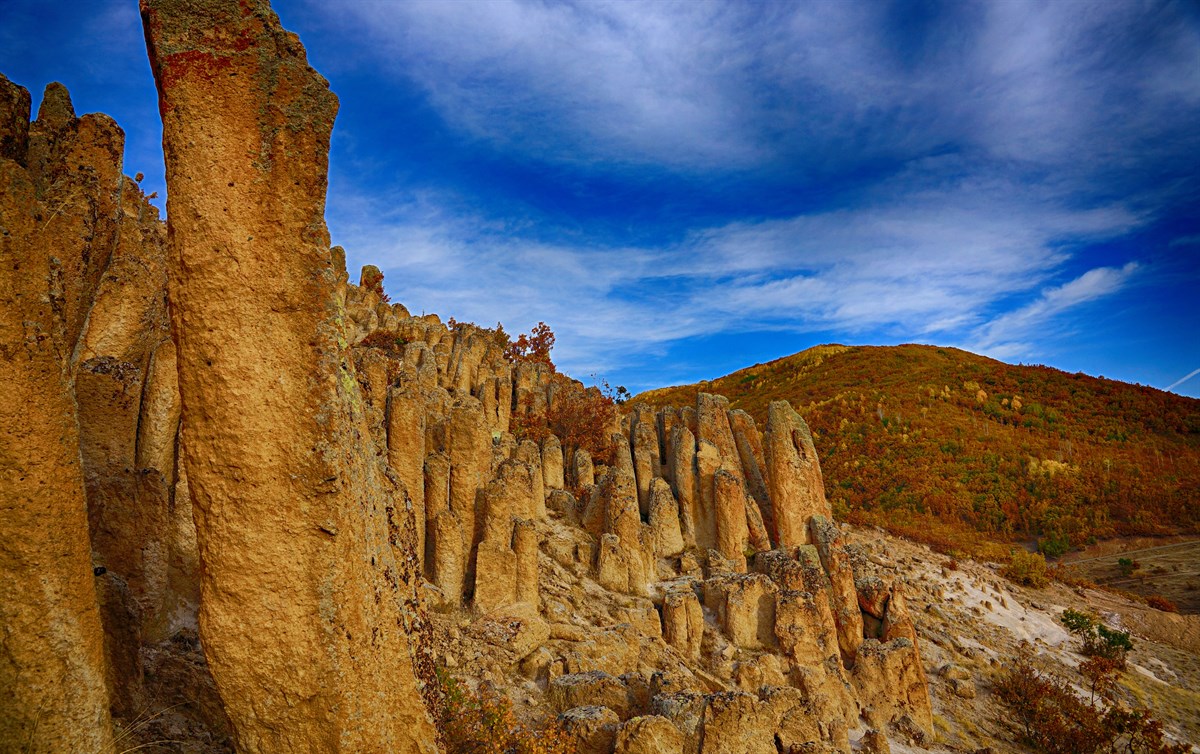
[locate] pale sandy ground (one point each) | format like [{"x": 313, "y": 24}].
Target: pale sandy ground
[{"x": 975, "y": 620}]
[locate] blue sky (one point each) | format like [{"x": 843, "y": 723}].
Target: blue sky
[{"x": 684, "y": 189}]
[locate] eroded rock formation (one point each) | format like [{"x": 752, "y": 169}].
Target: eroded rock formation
[
  {"x": 308, "y": 587},
  {"x": 54, "y": 239},
  {"x": 718, "y": 570},
  {"x": 349, "y": 466}
]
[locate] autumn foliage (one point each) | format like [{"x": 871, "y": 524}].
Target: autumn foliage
[
  {"x": 1028, "y": 568},
  {"x": 581, "y": 417},
  {"x": 533, "y": 347},
  {"x": 482, "y": 722},
  {"x": 1051, "y": 718},
  {"x": 969, "y": 454}
]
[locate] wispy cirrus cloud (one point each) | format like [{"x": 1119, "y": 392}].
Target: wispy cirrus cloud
[
  {"x": 962, "y": 175},
  {"x": 931, "y": 266},
  {"x": 726, "y": 86},
  {"x": 1009, "y": 335}
]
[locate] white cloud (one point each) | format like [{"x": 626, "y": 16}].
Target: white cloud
[
  {"x": 1007, "y": 335},
  {"x": 927, "y": 266},
  {"x": 716, "y": 85},
  {"x": 1006, "y": 140}
]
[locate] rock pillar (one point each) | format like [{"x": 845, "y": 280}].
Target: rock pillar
[
  {"x": 796, "y": 488},
  {"x": 52, "y": 665},
  {"x": 304, "y": 603}
]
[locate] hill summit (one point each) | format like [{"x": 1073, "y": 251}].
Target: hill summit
[{"x": 969, "y": 453}]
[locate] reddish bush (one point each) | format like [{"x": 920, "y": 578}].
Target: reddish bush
[
  {"x": 526, "y": 424},
  {"x": 388, "y": 342},
  {"x": 585, "y": 418},
  {"x": 1048, "y": 714},
  {"x": 580, "y": 417},
  {"x": 1159, "y": 602},
  {"x": 533, "y": 347},
  {"x": 1052, "y": 719}
]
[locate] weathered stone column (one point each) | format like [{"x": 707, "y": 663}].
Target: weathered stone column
[
  {"x": 582, "y": 470},
  {"x": 730, "y": 517},
  {"x": 304, "y": 602},
  {"x": 52, "y": 666},
  {"x": 552, "y": 464},
  {"x": 406, "y": 451},
  {"x": 664, "y": 520},
  {"x": 796, "y": 487}
]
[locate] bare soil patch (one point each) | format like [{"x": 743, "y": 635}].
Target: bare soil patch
[{"x": 1168, "y": 567}]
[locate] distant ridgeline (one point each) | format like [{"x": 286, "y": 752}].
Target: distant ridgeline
[{"x": 969, "y": 453}]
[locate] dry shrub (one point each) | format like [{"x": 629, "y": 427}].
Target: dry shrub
[
  {"x": 526, "y": 424},
  {"x": 482, "y": 722},
  {"x": 1028, "y": 568},
  {"x": 1051, "y": 718},
  {"x": 585, "y": 418},
  {"x": 388, "y": 342},
  {"x": 1158, "y": 602},
  {"x": 1048, "y": 714},
  {"x": 580, "y": 417}
]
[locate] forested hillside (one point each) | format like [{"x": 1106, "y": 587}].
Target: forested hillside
[{"x": 971, "y": 454}]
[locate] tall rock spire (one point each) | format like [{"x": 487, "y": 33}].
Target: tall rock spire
[
  {"x": 307, "y": 592},
  {"x": 52, "y": 663}
]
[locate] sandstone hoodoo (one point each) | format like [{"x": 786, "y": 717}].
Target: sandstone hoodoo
[
  {"x": 60, "y": 210},
  {"x": 309, "y": 583}
]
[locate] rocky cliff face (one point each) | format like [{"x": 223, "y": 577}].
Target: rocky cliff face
[
  {"x": 90, "y": 433},
  {"x": 60, "y": 187},
  {"x": 263, "y": 512}
]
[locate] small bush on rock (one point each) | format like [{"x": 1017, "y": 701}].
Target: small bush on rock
[
  {"x": 482, "y": 722},
  {"x": 388, "y": 342}
]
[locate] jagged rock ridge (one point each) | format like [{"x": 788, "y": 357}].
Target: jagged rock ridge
[
  {"x": 717, "y": 536},
  {"x": 271, "y": 501}
]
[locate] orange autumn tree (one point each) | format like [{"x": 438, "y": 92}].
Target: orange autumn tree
[
  {"x": 581, "y": 417},
  {"x": 533, "y": 347}
]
